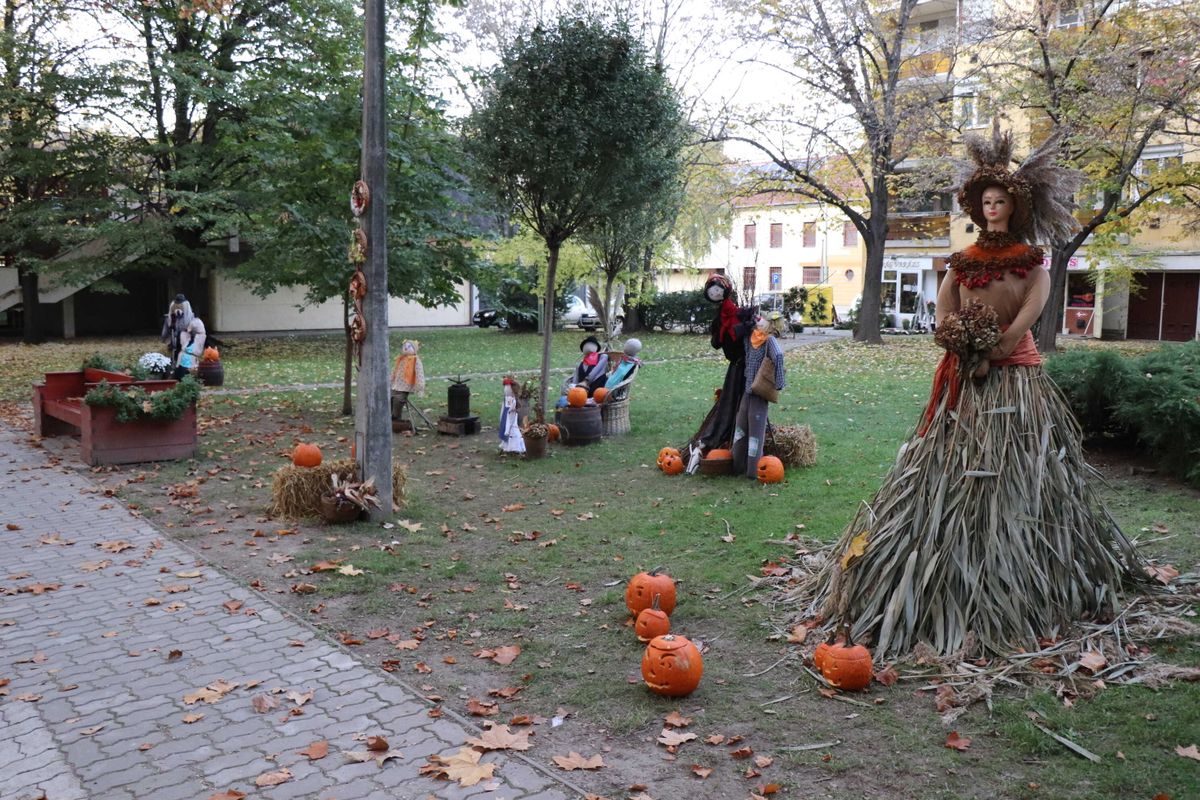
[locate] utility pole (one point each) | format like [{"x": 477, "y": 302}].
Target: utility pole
[{"x": 373, "y": 419}]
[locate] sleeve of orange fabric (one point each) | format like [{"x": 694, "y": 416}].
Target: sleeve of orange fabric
[
  {"x": 947, "y": 297},
  {"x": 1036, "y": 293}
]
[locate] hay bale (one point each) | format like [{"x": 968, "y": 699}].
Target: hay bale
[
  {"x": 296, "y": 491},
  {"x": 794, "y": 445}
]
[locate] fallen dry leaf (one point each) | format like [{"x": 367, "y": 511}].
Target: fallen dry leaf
[
  {"x": 701, "y": 772},
  {"x": 349, "y": 569},
  {"x": 507, "y": 654},
  {"x": 262, "y": 703},
  {"x": 188, "y": 719},
  {"x": 1163, "y": 573},
  {"x": 408, "y": 644},
  {"x": 716, "y": 738},
  {"x": 463, "y": 767},
  {"x": 315, "y": 750},
  {"x": 672, "y": 738},
  {"x": 380, "y": 757},
  {"x": 1188, "y": 752},
  {"x": 762, "y": 762},
  {"x": 888, "y": 675},
  {"x": 228, "y": 794},
  {"x": 956, "y": 742},
  {"x": 742, "y": 752},
  {"x": 499, "y": 737},
  {"x": 677, "y": 720},
  {"x": 300, "y": 698},
  {"x": 114, "y": 546},
  {"x": 481, "y": 708},
  {"x": 377, "y": 744},
  {"x": 1092, "y": 661},
  {"x": 273, "y": 778},
  {"x": 573, "y": 761},
  {"x": 232, "y": 606},
  {"x": 209, "y": 694}
]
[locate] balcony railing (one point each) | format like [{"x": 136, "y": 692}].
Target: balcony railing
[
  {"x": 925, "y": 65},
  {"x": 918, "y": 226}
]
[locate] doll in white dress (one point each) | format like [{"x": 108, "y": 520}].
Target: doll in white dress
[{"x": 511, "y": 440}]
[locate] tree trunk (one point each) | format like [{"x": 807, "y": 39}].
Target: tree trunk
[
  {"x": 30, "y": 305},
  {"x": 348, "y": 364},
  {"x": 866, "y": 329},
  {"x": 1050, "y": 322},
  {"x": 633, "y": 294},
  {"x": 547, "y": 329}
]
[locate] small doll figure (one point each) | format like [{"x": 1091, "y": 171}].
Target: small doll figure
[
  {"x": 592, "y": 371},
  {"x": 511, "y": 440},
  {"x": 408, "y": 376}
]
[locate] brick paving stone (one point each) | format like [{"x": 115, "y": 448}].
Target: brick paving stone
[{"x": 59, "y": 649}]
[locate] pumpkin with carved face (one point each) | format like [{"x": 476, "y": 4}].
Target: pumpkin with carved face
[
  {"x": 645, "y": 587},
  {"x": 672, "y": 666}
]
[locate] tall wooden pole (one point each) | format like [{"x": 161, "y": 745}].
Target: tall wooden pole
[{"x": 373, "y": 420}]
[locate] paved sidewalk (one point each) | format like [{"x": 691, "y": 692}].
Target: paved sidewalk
[{"x": 100, "y": 656}]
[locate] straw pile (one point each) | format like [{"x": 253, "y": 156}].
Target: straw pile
[
  {"x": 987, "y": 528},
  {"x": 297, "y": 491},
  {"x": 794, "y": 445}
]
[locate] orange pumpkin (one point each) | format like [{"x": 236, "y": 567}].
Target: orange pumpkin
[
  {"x": 306, "y": 455},
  {"x": 718, "y": 453},
  {"x": 847, "y": 665},
  {"x": 577, "y": 397},
  {"x": 666, "y": 451},
  {"x": 672, "y": 666},
  {"x": 672, "y": 465},
  {"x": 554, "y": 432},
  {"x": 211, "y": 354},
  {"x": 818, "y": 656},
  {"x": 652, "y": 622},
  {"x": 645, "y": 586},
  {"x": 770, "y": 470},
  {"x": 600, "y": 394}
]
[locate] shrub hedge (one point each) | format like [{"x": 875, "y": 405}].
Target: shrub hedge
[{"x": 1153, "y": 399}]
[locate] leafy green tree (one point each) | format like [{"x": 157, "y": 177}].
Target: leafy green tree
[
  {"x": 575, "y": 125},
  {"x": 306, "y": 140},
  {"x": 1118, "y": 84},
  {"x": 55, "y": 161}
]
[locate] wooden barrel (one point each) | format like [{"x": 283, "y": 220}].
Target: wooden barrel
[
  {"x": 580, "y": 426},
  {"x": 211, "y": 373}
]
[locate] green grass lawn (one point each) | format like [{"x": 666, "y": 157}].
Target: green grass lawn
[{"x": 593, "y": 516}]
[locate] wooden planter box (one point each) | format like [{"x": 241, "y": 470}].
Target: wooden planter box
[{"x": 58, "y": 409}]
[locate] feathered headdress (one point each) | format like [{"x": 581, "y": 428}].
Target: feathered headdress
[{"x": 1041, "y": 189}]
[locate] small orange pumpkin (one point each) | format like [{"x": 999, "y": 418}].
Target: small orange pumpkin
[
  {"x": 672, "y": 666},
  {"x": 600, "y": 394},
  {"x": 211, "y": 354},
  {"x": 719, "y": 453},
  {"x": 770, "y": 470},
  {"x": 652, "y": 622},
  {"x": 554, "y": 432},
  {"x": 577, "y": 397},
  {"x": 847, "y": 665},
  {"x": 644, "y": 587},
  {"x": 307, "y": 455},
  {"x": 666, "y": 451},
  {"x": 672, "y": 465}
]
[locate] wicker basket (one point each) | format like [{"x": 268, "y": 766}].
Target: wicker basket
[
  {"x": 614, "y": 416},
  {"x": 716, "y": 466},
  {"x": 336, "y": 513}
]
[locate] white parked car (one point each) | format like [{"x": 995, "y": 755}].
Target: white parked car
[{"x": 579, "y": 314}]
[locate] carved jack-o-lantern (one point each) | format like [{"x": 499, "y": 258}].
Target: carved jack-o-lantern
[
  {"x": 672, "y": 666},
  {"x": 644, "y": 587}
]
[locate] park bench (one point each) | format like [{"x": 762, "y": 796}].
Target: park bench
[{"x": 59, "y": 410}]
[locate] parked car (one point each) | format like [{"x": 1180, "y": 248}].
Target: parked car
[
  {"x": 485, "y": 318},
  {"x": 577, "y": 312}
]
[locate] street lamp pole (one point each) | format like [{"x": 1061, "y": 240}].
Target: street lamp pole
[{"x": 372, "y": 422}]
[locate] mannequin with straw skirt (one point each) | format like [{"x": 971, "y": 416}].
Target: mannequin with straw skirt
[{"x": 987, "y": 534}]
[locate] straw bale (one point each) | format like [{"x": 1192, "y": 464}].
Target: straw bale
[
  {"x": 296, "y": 491},
  {"x": 794, "y": 445}
]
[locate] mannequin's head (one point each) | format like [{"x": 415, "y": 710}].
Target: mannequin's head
[
  {"x": 410, "y": 347},
  {"x": 997, "y": 205},
  {"x": 589, "y": 345},
  {"x": 717, "y": 288},
  {"x": 633, "y": 347}
]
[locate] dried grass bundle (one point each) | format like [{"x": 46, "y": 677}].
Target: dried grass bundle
[
  {"x": 296, "y": 491},
  {"x": 794, "y": 445},
  {"x": 986, "y": 526}
]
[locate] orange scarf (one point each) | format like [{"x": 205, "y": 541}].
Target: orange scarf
[
  {"x": 407, "y": 363},
  {"x": 758, "y": 338}
]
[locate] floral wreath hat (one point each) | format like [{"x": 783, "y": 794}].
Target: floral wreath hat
[{"x": 1041, "y": 189}]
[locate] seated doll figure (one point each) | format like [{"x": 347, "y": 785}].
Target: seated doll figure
[
  {"x": 592, "y": 370},
  {"x": 627, "y": 367}
]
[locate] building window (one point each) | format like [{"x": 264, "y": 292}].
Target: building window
[
  {"x": 776, "y": 234},
  {"x": 750, "y": 236},
  {"x": 1070, "y": 13},
  {"x": 849, "y": 235},
  {"x": 749, "y": 281},
  {"x": 810, "y": 234},
  {"x": 927, "y": 36},
  {"x": 974, "y": 111},
  {"x": 776, "y": 279},
  {"x": 811, "y": 276}
]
